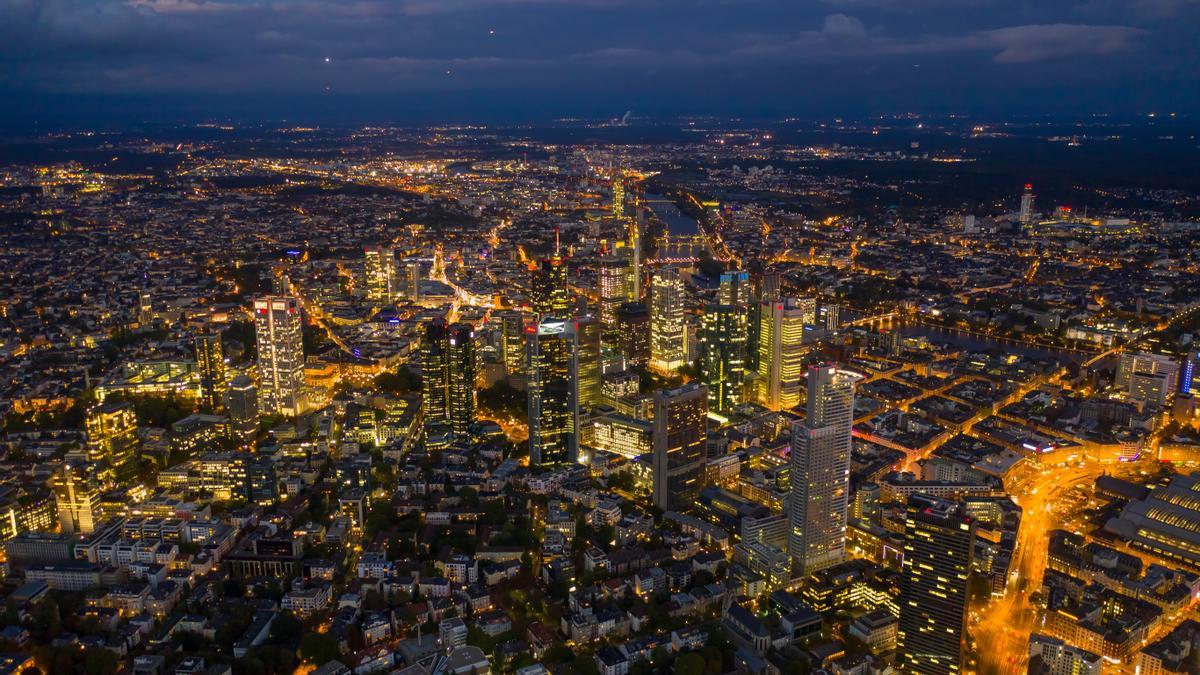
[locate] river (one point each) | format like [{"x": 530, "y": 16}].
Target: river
[{"x": 678, "y": 222}]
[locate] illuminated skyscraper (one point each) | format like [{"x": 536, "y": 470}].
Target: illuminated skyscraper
[
  {"x": 680, "y": 432},
  {"x": 435, "y": 378},
  {"x": 820, "y": 472},
  {"x": 512, "y": 340},
  {"x": 78, "y": 498},
  {"x": 588, "y": 331},
  {"x": 210, "y": 362},
  {"x": 280, "y": 355},
  {"x": 145, "y": 309},
  {"x": 634, "y": 321},
  {"x": 618, "y": 195},
  {"x": 781, "y": 353},
  {"x": 553, "y": 392},
  {"x": 723, "y": 354},
  {"x": 735, "y": 289},
  {"x": 548, "y": 292},
  {"x": 939, "y": 543},
  {"x": 379, "y": 266},
  {"x": 829, "y": 317},
  {"x": 112, "y": 439},
  {"x": 241, "y": 401},
  {"x": 412, "y": 280},
  {"x": 666, "y": 321},
  {"x": 462, "y": 378},
  {"x": 1025, "y": 217},
  {"x": 614, "y": 291}
]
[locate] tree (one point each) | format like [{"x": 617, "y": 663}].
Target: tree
[
  {"x": 690, "y": 663},
  {"x": 318, "y": 648}
]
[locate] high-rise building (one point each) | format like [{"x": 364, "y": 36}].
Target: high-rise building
[
  {"x": 112, "y": 438},
  {"x": 820, "y": 471},
  {"x": 412, "y": 280},
  {"x": 735, "y": 289},
  {"x": 667, "y": 340},
  {"x": 829, "y": 317},
  {"x": 780, "y": 354},
  {"x": 78, "y": 496},
  {"x": 435, "y": 378},
  {"x": 548, "y": 292},
  {"x": 618, "y": 195},
  {"x": 379, "y": 267},
  {"x": 1189, "y": 375},
  {"x": 241, "y": 401},
  {"x": 614, "y": 291},
  {"x": 588, "y": 330},
  {"x": 1025, "y": 217},
  {"x": 280, "y": 355},
  {"x": 553, "y": 392},
  {"x": 938, "y": 546},
  {"x": 210, "y": 362},
  {"x": 634, "y": 321},
  {"x": 512, "y": 340},
  {"x": 635, "y": 261},
  {"x": 1147, "y": 378},
  {"x": 145, "y": 309},
  {"x": 462, "y": 378},
  {"x": 680, "y": 432},
  {"x": 766, "y": 288},
  {"x": 723, "y": 354}
]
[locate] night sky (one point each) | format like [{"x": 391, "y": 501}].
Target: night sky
[{"x": 397, "y": 60}]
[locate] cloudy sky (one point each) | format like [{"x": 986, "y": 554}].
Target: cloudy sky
[{"x": 390, "y": 59}]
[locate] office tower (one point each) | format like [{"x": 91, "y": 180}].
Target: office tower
[
  {"x": 866, "y": 502},
  {"x": 145, "y": 309},
  {"x": 635, "y": 263},
  {"x": 461, "y": 388},
  {"x": 1025, "y": 217},
  {"x": 680, "y": 431},
  {"x": 735, "y": 289},
  {"x": 1055, "y": 656},
  {"x": 766, "y": 288},
  {"x": 78, "y": 498},
  {"x": 241, "y": 401},
  {"x": 634, "y": 321},
  {"x": 112, "y": 438},
  {"x": 512, "y": 340},
  {"x": 435, "y": 378},
  {"x": 770, "y": 287},
  {"x": 618, "y": 198},
  {"x": 723, "y": 354},
  {"x": 210, "y": 361},
  {"x": 808, "y": 310},
  {"x": 548, "y": 293},
  {"x": 379, "y": 267},
  {"x": 1189, "y": 375},
  {"x": 553, "y": 392},
  {"x": 829, "y": 317},
  {"x": 412, "y": 280},
  {"x": 666, "y": 321},
  {"x": 820, "y": 471},
  {"x": 938, "y": 547},
  {"x": 280, "y": 355},
  {"x": 588, "y": 331},
  {"x": 780, "y": 354},
  {"x": 614, "y": 290},
  {"x": 1147, "y": 378}
]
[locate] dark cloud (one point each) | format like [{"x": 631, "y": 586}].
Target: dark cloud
[{"x": 640, "y": 52}]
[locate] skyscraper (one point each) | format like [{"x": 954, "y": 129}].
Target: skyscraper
[
  {"x": 112, "y": 439},
  {"x": 666, "y": 321},
  {"x": 462, "y": 378},
  {"x": 618, "y": 197},
  {"x": 780, "y": 354},
  {"x": 735, "y": 289},
  {"x": 588, "y": 335},
  {"x": 614, "y": 290},
  {"x": 553, "y": 392},
  {"x": 210, "y": 362},
  {"x": 512, "y": 340},
  {"x": 379, "y": 267},
  {"x": 634, "y": 322},
  {"x": 241, "y": 400},
  {"x": 820, "y": 471},
  {"x": 1025, "y": 217},
  {"x": 412, "y": 280},
  {"x": 939, "y": 542},
  {"x": 680, "y": 432},
  {"x": 435, "y": 378},
  {"x": 548, "y": 292},
  {"x": 723, "y": 354},
  {"x": 280, "y": 355},
  {"x": 78, "y": 498}
]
